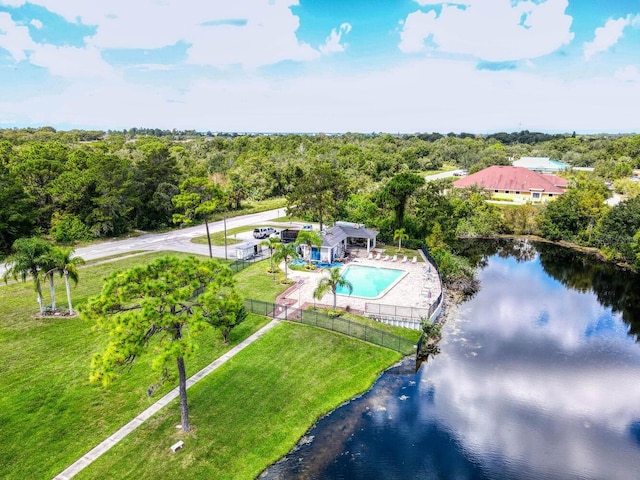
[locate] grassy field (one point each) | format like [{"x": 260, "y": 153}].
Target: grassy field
[
  {"x": 252, "y": 410},
  {"x": 254, "y": 282},
  {"x": 50, "y": 415}
]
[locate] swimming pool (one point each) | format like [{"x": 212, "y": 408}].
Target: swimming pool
[{"x": 370, "y": 282}]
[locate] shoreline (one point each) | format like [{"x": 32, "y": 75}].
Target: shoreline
[{"x": 595, "y": 252}]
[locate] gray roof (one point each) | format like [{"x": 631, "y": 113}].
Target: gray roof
[{"x": 334, "y": 235}]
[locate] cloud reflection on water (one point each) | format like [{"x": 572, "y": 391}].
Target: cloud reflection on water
[{"x": 557, "y": 396}]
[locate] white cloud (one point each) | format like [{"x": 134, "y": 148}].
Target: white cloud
[
  {"x": 496, "y": 30},
  {"x": 425, "y": 95},
  {"x": 220, "y": 33},
  {"x": 36, "y": 23},
  {"x": 607, "y": 36},
  {"x": 60, "y": 61},
  {"x": 268, "y": 37},
  {"x": 629, "y": 73},
  {"x": 71, "y": 62},
  {"x": 332, "y": 43},
  {"x": 14, "y": 38}
]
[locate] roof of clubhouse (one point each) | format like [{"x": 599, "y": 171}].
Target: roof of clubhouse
[{"x": 513, "y": 179}]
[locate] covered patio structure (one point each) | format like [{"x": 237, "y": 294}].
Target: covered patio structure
[{"x": 337, "y": 239}]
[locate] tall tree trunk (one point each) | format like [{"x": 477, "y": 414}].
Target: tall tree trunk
[
  {"x": 206, "y": 225},
  {"x": 52, "y": 290},
  {"x": 184, "y": 407},
  {"x": 40, "y": 299},
  {"x": 66, "y": 284}
]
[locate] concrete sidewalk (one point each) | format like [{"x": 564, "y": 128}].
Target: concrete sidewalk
[{"x": 113, "y": 439}]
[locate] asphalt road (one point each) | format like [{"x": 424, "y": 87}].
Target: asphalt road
[
  {"x": 180, "y": 240},
  {"x": 451, "y": 173}
]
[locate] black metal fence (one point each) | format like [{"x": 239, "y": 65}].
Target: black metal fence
[
  {"x": 240, "y": 264},
  {"x": 336, "y": 324}
]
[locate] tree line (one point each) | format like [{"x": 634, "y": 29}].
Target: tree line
[{"x": 78, "y": 185}]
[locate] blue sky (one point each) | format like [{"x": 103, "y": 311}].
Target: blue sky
[{"x": 398, "y": 66}]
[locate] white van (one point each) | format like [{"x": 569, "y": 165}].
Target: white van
[{"x": 263, "y": 232}]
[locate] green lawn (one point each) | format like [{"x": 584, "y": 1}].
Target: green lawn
[
  {"x": 252, "y": 410},
  {"x": 49, "y": 413},
  {"x": 254, "y": 282}
]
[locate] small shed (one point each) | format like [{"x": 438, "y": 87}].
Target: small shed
[{"x": 244, "y": 252}]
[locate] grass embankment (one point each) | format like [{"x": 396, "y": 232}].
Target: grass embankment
[
  {"x": 409, "y": 334},
  {"x": 252, "y": 410},
  {"x": 217, "y": 238},
  {"x": 50, "y": 415}
]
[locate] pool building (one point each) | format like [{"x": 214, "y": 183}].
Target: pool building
[{"x": 337, "y": 239}]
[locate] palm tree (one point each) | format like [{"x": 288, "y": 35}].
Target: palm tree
[
  {"x": 332, "y": 282},
  {"x": 50, "y": 267},
  {"x": 310, "y": 239},
  {"x": 400, "y": 235},
  {"x": 271, "y": 244},
  {"x": 285, "y": 251},
  {"x": 67, "y": 266},
  {"x": 28, "y": 259}
]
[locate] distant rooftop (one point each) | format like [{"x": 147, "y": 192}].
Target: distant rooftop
[
  {"x": 541, "y": 164},
  {"x": 513, "y": 179}
]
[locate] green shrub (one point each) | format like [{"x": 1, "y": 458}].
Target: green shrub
[{"x": 68, "y": 228}]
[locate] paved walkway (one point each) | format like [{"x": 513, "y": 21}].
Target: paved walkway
[{"x": 112, "y": 440}]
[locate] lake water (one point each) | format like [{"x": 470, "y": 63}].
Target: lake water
[{"x": 538, "y": 378}]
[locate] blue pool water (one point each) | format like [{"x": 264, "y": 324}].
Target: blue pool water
[{"x": 369, "y": 282}]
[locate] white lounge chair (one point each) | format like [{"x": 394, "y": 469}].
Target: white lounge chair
[
  {"x": 394, "y": 258},
  {"x": 378, "y": 256},
  {"x": 414, "y": 259},
  {"x": 404, "y": 259},
  {"x": 386, "y": 257},
  {"x": 370, "y": 257}
]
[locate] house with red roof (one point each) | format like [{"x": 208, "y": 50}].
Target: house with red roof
[{"x": 516, "y": 184}]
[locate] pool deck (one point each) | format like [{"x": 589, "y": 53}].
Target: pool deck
[{"x": 418, "y": 288}]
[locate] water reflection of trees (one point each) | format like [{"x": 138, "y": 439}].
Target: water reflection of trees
[
  {"x": 479, "y": 251},
  {"x": 613, "y": 286}
]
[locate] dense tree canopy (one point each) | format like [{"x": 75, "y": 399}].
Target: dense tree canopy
[{"x": 78, "y": 185}]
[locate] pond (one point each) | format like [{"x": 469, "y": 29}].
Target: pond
[{"x": 537, "y": 378}]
